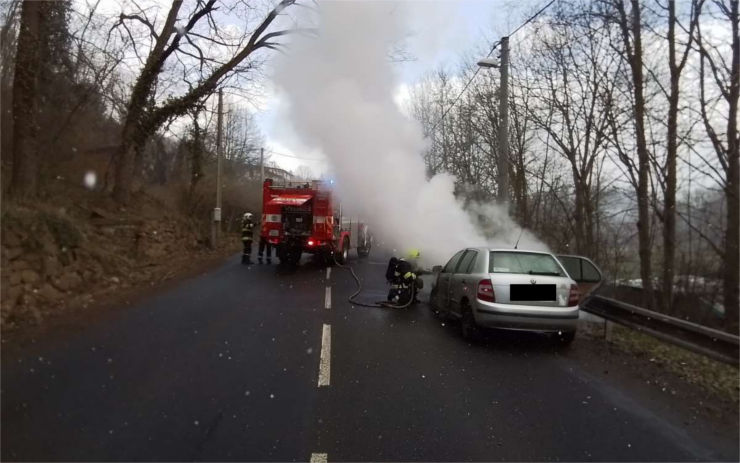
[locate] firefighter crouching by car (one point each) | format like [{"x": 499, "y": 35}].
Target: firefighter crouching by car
[
  {"x": 404, "y": 282},
  {"x": 247, "y": 233}
]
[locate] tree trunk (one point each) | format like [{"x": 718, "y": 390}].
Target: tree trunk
[
  {"x": 588, "y": 213},
  {"x": 578, "y": 216},
  {"x": 132, "y": 140},
  {"x": 25, "y": 173},
  {"x": 732, "y": 189},
  {"x": 669, "y": 207},
  {"x": 522, "y": 205},
  {"x": 161, "y": 162},
  {"x": 196, "y": 152},
  {"x": 732, "y": 247},
  {"x": 643, "y": 193}
]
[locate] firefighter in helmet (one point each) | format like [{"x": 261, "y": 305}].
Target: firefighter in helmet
[
  {"x": 247, "y": 233},
  {"x": 404, "y": 282},
  {"x": 412, "y": 256}
]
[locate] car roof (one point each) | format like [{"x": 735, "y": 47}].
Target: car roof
[
  {"x": 528, "y": 251},
  {"x": 522, "y": 251}
]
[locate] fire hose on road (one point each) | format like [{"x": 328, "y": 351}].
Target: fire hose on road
[{"x": 380, "y": 304}]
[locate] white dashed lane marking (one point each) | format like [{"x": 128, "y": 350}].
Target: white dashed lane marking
[{"x": 325, "y": 360}]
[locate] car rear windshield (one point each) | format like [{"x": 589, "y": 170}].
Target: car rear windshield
[{"x": 524, "y": 262}]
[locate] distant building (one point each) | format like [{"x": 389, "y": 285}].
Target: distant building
[{"x": 275, "y": 173}]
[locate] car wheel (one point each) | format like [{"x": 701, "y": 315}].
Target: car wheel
[
  {"x": 565, "y": 338},
  {"x": 469, "y": 328},
  {"x": 363, "y": 252},
  {"x": 344, "y": 254}
]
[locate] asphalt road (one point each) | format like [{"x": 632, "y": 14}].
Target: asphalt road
[{"x": 228, "y": 366}]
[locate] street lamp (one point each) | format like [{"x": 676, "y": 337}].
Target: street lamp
[
  {"x": 488, "y": 63},
  {"x": 503, "y": 130}
]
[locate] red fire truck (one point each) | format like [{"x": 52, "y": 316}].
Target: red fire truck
[{"x": 304, "y": 217}]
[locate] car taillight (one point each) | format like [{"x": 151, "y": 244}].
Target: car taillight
[
  {"x": 574, "y": 296},
  {"x": 485, "y": 291}
]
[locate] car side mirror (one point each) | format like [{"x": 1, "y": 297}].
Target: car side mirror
[{"x": 437, "y": 269}]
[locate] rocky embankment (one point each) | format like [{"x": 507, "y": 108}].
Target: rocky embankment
[{"x": 54, "y": 258}]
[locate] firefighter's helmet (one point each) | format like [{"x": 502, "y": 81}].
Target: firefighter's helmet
[
  {"x": 413, "y": 254},
  {"x": 247, "y": 215}
]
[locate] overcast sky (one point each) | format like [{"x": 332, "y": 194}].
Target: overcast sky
[{"x": 443, "y": 34}]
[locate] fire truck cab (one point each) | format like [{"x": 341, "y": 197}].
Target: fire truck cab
[{"x": 303, "y": 217}]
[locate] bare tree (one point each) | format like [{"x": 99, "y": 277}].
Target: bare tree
[
  {"x": 521, "y": 135},
  {"x": 8, "y": 44},
  {"x": 572, "y": 102},
  {"x": 177, "y": 42},
  {"x": 304, "y": 172},
  {"x": 196, "y": 149},
  {"x": 676, "y": 65},
  {"x": 726, "y": 78},
  {"x": 629, "y": 25},
  {"x": 242, "y": 138},
  {"x": 33, "y": 38}
]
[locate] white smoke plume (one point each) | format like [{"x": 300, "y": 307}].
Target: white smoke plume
[{"x": 339, "y": 87}]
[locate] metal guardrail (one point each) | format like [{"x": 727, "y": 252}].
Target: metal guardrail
[{"x": 713, "y": 343}]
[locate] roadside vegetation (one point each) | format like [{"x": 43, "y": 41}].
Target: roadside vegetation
[
  {"x": 717, "y": 379},
  {"x": 90, "y": 206},
  {"x": 623, "y": 144}
]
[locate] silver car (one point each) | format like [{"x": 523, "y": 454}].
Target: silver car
[{"x": 511, "y": 289}]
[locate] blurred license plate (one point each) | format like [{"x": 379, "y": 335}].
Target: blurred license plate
[
  {"x": 532, "y": 292},
  {"x": 274, "y": 233}
]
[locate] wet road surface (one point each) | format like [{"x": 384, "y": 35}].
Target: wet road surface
[{"x": 263, "y": 363}]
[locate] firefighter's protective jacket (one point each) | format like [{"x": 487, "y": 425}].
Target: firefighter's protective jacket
[
  {"x": 400, "y": 272},
  {"x": 404, "y": 283},
  {"x": 247, "y": 229}
]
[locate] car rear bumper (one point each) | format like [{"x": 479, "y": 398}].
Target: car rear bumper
[{"x": 526, "y": 317}]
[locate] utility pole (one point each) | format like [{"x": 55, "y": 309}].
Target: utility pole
[
  {"x": 444, "y": 134},
  {"x": 262, "y": 166},
  {"x": 503, "y": 129},
  {"x": 216, "y": 225},
  {"x": 262, "y": 184}
]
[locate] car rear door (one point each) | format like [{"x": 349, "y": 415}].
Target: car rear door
[
  {"x": 460, "y": 283},
  {"x": 443, "y": 281},
  {"x": 585, "y": 273}
]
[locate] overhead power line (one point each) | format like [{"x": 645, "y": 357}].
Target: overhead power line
[
  {"x": 532, "y": 18},
  {"x": 459, "y": 95},
  {"x": 493, "y": 48},
  {"x": 293, "y": 156}
]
